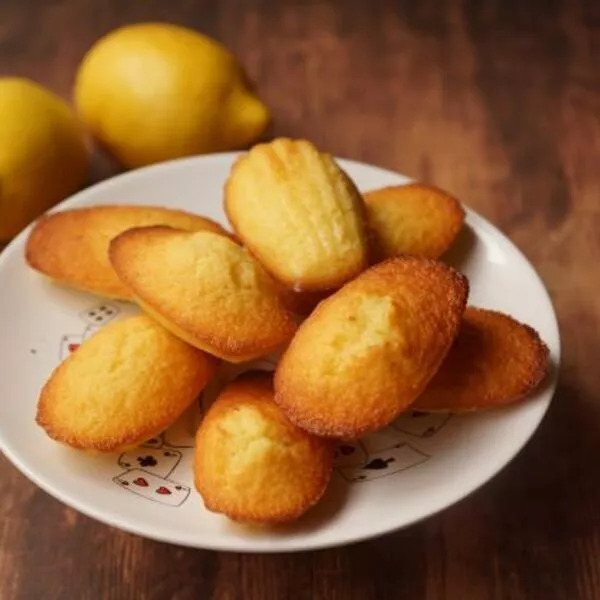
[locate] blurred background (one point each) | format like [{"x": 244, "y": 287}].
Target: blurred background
[{"x": 496, "y": 101}]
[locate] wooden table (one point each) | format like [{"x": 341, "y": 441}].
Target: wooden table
[{"x": 497, "y": 101}]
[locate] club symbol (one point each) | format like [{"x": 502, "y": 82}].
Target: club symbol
[{"x": 147, "y": 461}]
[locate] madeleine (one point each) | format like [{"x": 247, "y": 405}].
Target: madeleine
[
  {"x": 71, "y": 246},
  {"x": 204, "y": 288},
  {"x": 415, "y": 219},
  {"x": 368, "y": 351},
  {"x": 494, "y": 361},
  {"x": 122, "y": 386},
  {"x": 299, "y": 214},
  {"x": 252, "y": 464}
]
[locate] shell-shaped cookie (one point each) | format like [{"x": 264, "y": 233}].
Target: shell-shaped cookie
[
  {"x": 298, "y": 213},
  {"x": 494, "y": 361},
  {"x": 366, "y": 353},
  {"x": 71, "y": 246},
  {"x": 252, "y": 463},
  {"x": 122, "y": 386},
  {"x": 205, "y": 288},
  {"x": 412, "y": 219}
]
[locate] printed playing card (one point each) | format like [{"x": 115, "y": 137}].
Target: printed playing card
[
  {"x": 349, "y": 454},
  {"x": 100, "y": 314},
  {"x": 421, "y": 424},
  {"x": 68, "y": 344},
  {"x": 152, "y": 487},
  {"x": 384, "y": 463},
  {"x": 381, "y": 439},
  {"x": 155, "y": 442},
  {"x": 159, "y": 461}
]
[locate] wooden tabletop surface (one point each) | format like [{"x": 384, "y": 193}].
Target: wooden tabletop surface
[{"x": 497, "y": 101}]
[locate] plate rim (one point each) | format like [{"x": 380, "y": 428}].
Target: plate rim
[{"x": 112, "y": 519}]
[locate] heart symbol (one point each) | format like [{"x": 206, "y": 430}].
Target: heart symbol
[
  {"x": 141, "y": 482},
  {"x": 73, "y": 347},
  {"x": 163, "y": 490}
]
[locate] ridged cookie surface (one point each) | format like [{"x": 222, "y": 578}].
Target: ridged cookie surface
[
  {"x": 252, "y": 464},
  {"x": 71, "y": 246},
  {"x": 298, "y": 213},
  {"x": 366, "y": 353},
  {"x": 412, "y": 219},
  {"x": 494, "y": 361},
  {"x": 124, "y": 385},
  {"x": 205, "y": 288}
]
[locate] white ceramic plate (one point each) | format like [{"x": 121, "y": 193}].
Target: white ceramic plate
[{"x": 435, "y": 460}]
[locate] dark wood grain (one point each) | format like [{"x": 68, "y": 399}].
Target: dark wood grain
[{"x": 499, "y": 102}]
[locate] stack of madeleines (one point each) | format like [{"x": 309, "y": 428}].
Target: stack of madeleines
[{"x": 349, "y": 286}]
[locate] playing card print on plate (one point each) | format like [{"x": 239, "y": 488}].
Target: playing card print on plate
[
  {"x": 153, "y": 487},
  {"x": 149, "y": 470},
  {"x": 159, "y": 461},
  {"x": 380, "y": 464},
  {"x": 389, "y": 451},
  {"x": 421, "y": 424}
]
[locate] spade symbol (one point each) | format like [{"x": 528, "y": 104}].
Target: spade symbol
[{"x": 379, "y": 463}]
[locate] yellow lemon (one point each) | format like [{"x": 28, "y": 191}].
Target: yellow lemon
[
  {"x": 152, "y": 92},
  {"x": 42, "y": 153}
]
